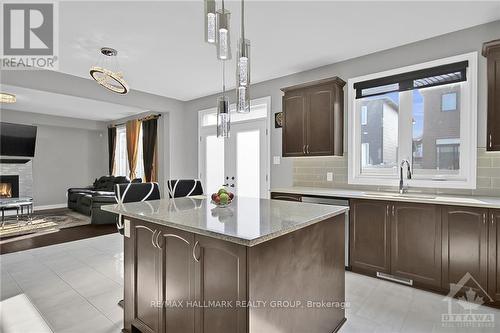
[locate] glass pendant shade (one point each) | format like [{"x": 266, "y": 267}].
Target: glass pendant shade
[
  {"x": 223, "y": 118},
  {"x": 210, "y": 22},
  {"x": 223, "y": 35},
  {"x": 243, "y": 77}
]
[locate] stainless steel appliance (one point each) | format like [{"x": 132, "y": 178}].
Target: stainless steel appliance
[{"x": 334, "y": 202}]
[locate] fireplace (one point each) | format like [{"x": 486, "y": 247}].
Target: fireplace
[{"x": 9, "y": 186}]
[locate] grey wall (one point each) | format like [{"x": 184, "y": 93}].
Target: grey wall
[
  {"x": 439, "y": 47},
  {"x": 69, "y": 153}
]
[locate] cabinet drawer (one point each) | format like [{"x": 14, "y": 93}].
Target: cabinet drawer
[{"x": 286, "y": 196}]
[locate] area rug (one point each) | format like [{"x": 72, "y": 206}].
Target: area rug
[{"x": 41, "y": 223}]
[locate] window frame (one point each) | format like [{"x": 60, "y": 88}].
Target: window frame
[{"x": 468, "y": 129}]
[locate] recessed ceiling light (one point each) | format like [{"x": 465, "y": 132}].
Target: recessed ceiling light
[
  {"x": 7, "y": 98},
  {"x": 106, "y": 77}
]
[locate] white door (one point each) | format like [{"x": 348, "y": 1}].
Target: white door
[{"x": 238, "y": 162}]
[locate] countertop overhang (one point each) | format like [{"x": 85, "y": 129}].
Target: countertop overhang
[
  {"x": 246, "y": 221},
  {"x": 438, "y": 199}
]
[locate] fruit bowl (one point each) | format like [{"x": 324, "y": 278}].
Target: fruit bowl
[{"x": 222, "y": 198}]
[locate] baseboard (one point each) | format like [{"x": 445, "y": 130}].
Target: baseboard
[{"x": 37, "y": 208}]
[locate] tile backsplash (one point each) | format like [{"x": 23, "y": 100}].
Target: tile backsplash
[{"x": 311, "y": 171}]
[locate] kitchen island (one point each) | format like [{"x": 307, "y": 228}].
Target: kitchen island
[{"x": 256, "y": 266}]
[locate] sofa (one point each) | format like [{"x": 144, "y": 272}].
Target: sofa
[{"x": 88, "y": 200}]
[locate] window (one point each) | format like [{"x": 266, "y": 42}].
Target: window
[
  {"x": 121, "y": 155},
  {"x": 409, "y": 118},
  {"x": 364, "y": 115},
  {"x": 449, "y": 102}
]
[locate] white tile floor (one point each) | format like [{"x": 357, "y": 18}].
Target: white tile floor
[{"x": 76, "y": 286}]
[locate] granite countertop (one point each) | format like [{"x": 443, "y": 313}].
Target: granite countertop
[
  {"x": 439, "y": 199},
  {"x": 247, "y": 221}
]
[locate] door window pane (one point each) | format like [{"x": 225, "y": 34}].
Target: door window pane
[
  {"x": 379, "y": 132},
  {"x": 436, "y": 134},
  {"x": 248, "y": 163},
  {"x": 214, "y": 163}
]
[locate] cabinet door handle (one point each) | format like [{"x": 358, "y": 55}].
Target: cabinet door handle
[
  {"x": 307, "y": 149},
  {"x": 194, "y": 250},
  {"x": 484, "y": 218},
  {"x": 392, "y": 210},
  {"x": 491, "y": 141},
  {"x": 304, "y": 149},
  {"x": 492, "y": 219},
  {"x": 387, "y": 210}
]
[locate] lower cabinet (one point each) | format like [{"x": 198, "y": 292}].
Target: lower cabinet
[
  {"x": 465, "y": 246},
  {"x": 166, "y": 265},
  {"x": 369, "y": 236},
  {"x": 494, "y": 256},
  {"x": 416, "y": 243},
  {"x": 433, "y": 245}
]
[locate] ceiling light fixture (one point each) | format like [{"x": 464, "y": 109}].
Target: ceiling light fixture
[
  {"x": 223, "y": 114},
  {"x": 223, "y": 34},
  {"x": 7, "y": 98},
  {"x": 243, "y": 69},
  {"x": 210, "y": 22},
  {"x": 106, "y": 77}
]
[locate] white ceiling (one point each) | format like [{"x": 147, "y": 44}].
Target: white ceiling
[
  {"x": 37, "y": 101},
  {"x": 161, "y": 47}
]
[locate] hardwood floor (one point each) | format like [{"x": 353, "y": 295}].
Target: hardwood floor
[{"x": 61, "y": 236}]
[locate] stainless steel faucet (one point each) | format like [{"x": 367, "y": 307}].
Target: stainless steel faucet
[{"x": 402, "y": 187}]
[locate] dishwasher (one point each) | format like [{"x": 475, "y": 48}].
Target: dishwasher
[{"x": 334, "y": 202}]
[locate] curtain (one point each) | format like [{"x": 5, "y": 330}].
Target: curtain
[
  {"x": 149, "y": 138},
  {"x": 133, "y": 128},
  {"x": 111, "y": 149}
]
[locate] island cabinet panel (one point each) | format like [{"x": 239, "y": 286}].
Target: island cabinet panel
[
  {"x": 142, "y": 278},
  {"x": 178, "y": 282},
  {"x": 465, "y": 245},
  {"x": 494, "y": 256},
  {"x": 416, "y": 243},
  {"x": 220, "y": 275},
  {"x": 286, "y": 273},
  {"x": 370, "y": 236}
]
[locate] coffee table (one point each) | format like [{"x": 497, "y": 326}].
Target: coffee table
[{"x": 17, "y": 204}]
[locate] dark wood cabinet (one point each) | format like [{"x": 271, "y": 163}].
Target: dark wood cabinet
[
  {"x": 177, "y": 271},
  {"x": 416, "y": 243},
  {"x": 313, "y": 118},
  {"x": 465, "y": 245},
  {"x": 494, "y": 256},
  {"x": 491, "y": 50},
  {"x": 370, "y": 236},
  {"x": 142, "y": 287},
  {"x": 220, "y": 275}
]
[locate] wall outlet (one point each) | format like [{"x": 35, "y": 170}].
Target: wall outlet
[
  {"x": 276, "y": 159},
  {"x": 329, "y": 176}
]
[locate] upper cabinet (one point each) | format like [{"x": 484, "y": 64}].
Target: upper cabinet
[
  {"x": 491, "y": 50},
  {"x": 313, "y": 118}
]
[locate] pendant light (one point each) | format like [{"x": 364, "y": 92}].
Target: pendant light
[
  {"x": 210, "y": 22},
  {"x": 223, "y": 33},
  {"x": 106, "y": 72},
  {"x": 243, "y": 69},
  {"x": 223, "y": 116}
]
